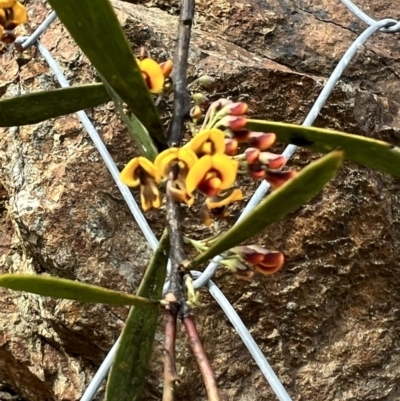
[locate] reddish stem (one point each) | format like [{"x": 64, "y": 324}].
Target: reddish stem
[
  {"x": 201, "y": 358},
  {"x": 170, "y": 375}
]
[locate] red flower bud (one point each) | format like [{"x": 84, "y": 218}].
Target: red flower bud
[
  {"x": 252, "y": 155},
  {"x": 235, "y": 123},
  {"x": 237, "y": 109},
  {"x": 272, "y": 160},
  {"x": 166, "y": 68},
  {"x": 260, "y": 140},
  {"x": 231, "y": 147},
  {"x": 263, "y": 260},
  {"x": 278, "y": 178}
]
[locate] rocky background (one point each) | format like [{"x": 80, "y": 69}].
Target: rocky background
[{"x": 328, "y": 322}]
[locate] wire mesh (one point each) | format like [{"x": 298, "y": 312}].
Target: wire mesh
[{"x": 203, "y": 279}]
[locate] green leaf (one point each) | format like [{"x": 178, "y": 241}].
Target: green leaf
[
  {"x": 96, "y": 30},
  {"x": 128, "y": 372},
  {"x": 35, "y": 107},
  {"x": 369, "y": 152},
  {"x": 68, "y": 289},
  {"x": 277, "y": 204},
  {"x": 136, "y": 129}
]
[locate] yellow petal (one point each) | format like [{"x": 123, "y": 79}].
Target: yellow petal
[
  {"x": 19, "y": 13},
  {"x": 2, "y": 20},
  {"x": 154, "y": 76},
  {"x": 164, "y": 159},
  {"x": 149, "y": 168},
  {"x": 206, "y": 138},
  {"x": 227, "y": 168},
  {"x": 6, "y": 3},
  {"x": 188, "y": 156},
  {"x": 217, "y": 137},
  {"x": 197, "y": 173},
  {"x": 149, "y": 196},
  {"x": 128, "y": 176},
  {"x": 235, "y": 195}
]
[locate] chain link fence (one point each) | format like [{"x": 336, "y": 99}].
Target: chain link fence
[{"x": 203, "y": 279}]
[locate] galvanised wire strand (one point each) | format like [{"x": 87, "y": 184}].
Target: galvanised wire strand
[
  {"x": 392, "y": 28},
  {"x": 109, "y": 162},
  {"x": 39, "y": 30},
  {"x": 248, "y": 340}
]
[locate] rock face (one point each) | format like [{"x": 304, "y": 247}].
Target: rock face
[{"x": 328, "y": 322}]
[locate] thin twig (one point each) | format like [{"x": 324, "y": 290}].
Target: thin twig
[
  {"x": 175, "y": 295},
  {"x": 170, "y": 375},
  {"x": 181, "y": 96},
  {"x": 201, "y": 358}
]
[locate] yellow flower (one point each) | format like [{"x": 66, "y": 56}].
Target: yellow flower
[
  {"x": 175, "y": 164},
  {"x": 12, "y": 13},
  {"x": 207, "y": 142},
  {"x": 212, "y": 174},
  {"x": 166, "y": 160},
  {"x": 217, "y": 205},
  {"x": 152, "y": 74},
  {"x": 142, "y": 172}
]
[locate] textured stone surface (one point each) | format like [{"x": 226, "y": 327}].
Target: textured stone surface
[{"x": 328, "y": 322}]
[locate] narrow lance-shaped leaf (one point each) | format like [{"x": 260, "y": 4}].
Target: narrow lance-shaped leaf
[
  {"x": 96, "y": 30},
  {"x": 369, "y": 152},
  {"x": 68, "y": 289},
  {"x": 33, "y": 108},
  {"x": 136, "y": 129},
  {"x": 128, "y": 372},
  {"x": 277, "y": 204}
]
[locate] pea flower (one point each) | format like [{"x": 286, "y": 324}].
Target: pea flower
[
  {"x": 153, "y": 74},
  {"x": 264, "y": 261},
  {"x": 12, "y": 14},
  {"x": 212, "y": 174},
  {"x": 142, "y": 172},
  {"x": 175, "y": 164},
  {"x": 207, "y": 142}
]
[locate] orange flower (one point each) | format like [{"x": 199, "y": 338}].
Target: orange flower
[
  {"x": 142, "y": 172},
  {"x": 152, "y": 74},
  {"x": 207, "y": 142},
  {"x": 212, "y": 174}
]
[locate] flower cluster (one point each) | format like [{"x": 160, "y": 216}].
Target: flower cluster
[
  {"x": 210, "y": 162},
  {"x": 12, "y": 14}
]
